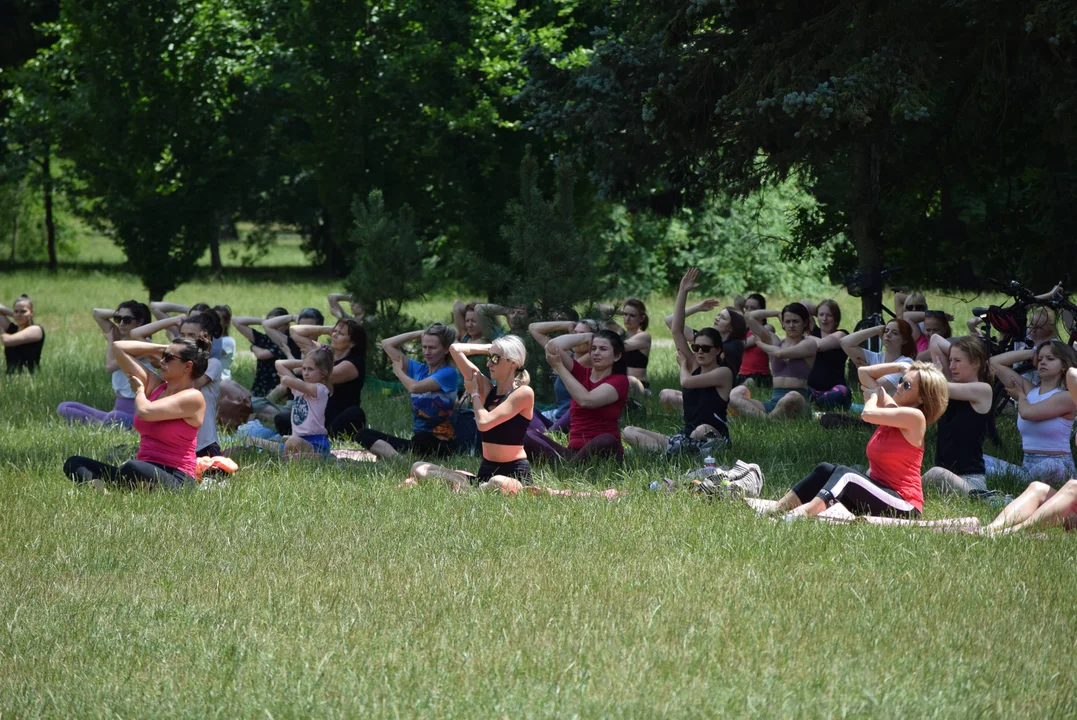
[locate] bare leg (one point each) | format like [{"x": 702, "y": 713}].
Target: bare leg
[
  {"x": 945, "y": 481},
  {"x": 809, "y": 509},
  {"x": 1059, "y": 509},
  {"x": 671, "y": 399},
  {"x": 504, "y": 484},
  {"x": 789, "y": 502},
  {"x": 425, "y": 471},
  {"x": 1023, "y": 507},
  {"x": 701, "y": 432},
  {"x": 635, "y": 385},
  {"x": 741, "y": 401},
  {"x": 295, "y": 446},
  {"x": 644, "y": 439},
  {"x": 791, "y": 406},
  {"x": 383, "y": 450}
]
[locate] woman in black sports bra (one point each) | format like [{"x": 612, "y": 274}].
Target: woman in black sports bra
[
  {"x": 637, "y": 344},
  {"x": 504, "y": 405}
]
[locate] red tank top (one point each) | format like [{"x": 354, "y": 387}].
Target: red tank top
[
  {"x": 167, "y": 442},
  {"x": 895, "y": 462},
  {"x": 755, "y": 361}
]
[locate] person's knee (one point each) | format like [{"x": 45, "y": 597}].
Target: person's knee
[
  {"x": 703, "y": 431},
  {"x": 1039, "y": 489},
  {"x": 791, "y": 404},
  {"x": 420, "y": 470},
  {"x": 668, "y": 397},
  {"x": 631, "y": 434},
  {"x": 71, "y": 465},
  {"x": 740, "y": 392}
]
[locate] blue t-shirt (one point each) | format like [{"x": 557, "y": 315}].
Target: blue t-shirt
[{"x": 432, "y": 411}]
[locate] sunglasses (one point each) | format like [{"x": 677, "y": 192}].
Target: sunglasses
[
  {"x": 168, "y": 357},
  {"x": 126, "y": 319},
  {"x": 493, "y": 359},
  {"x": 916, "y": 308},
  {"x": 702, "y": 348},
  {"x": 904, "y": 384}
]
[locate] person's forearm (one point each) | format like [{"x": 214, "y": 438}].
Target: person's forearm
[
  {"x": 138, "y": 348},
  {"x": 402, "y": 338},
  {"x": 679, "y": 313},
  {"x": 167, "y": 308},
  {"x": 567, "y": 342},
  {"x": 311, "y": 332},
  {"x": 854, "y": 339},
  {"x": 408, "y": 382},
  {"x": 1011, "y": 358}
]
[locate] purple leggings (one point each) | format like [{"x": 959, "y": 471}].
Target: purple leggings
[
  {"x": 122, "y": 414},
  {"x": 541, "y": 424},
  {"x": 539, "y": 445}
]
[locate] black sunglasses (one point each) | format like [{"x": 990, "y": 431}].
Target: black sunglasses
[
  {"x": 493, "y": 359},
  {"x": 126, "y": 319},
  {"x": 702, "y": 348},
  {"x": 916, "y": 308},
  {"x": 904, "y": 384},
  {"x": 168, "y": 357}
]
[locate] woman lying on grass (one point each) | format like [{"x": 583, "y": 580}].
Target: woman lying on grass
[
  {"x": 504, "y": 405},
  {"x": 1041, "y": 505},
  {"x": 895, "y": 452},
  {"x": 309, "y": 437},
  {"x": 168, "y": 412},
  {"x": 706, "y": 382},
  {"x": 115, "y": 325}
]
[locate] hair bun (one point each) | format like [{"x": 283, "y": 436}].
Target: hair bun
[{"x": 204, "y": 344}]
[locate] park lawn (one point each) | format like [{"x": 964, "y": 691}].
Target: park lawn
[{"x": 313, "y": 589}]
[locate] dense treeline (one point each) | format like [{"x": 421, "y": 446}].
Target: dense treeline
[{"x": 849, "y": 133}]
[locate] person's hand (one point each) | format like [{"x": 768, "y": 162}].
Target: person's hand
[
  {"x": 709, "y": 304},
  {"x": 136, "y": 384},
  {"x": 1016, "y": 390},
  {"x": 1056, "y": 291},
  {"x": 553, "y": 356},
  {"x": 688, "y": 282},
  {"x": 400, "y": 364},
  {"x": 471, "y": 384},
  {"x": 904, "y": 367}
]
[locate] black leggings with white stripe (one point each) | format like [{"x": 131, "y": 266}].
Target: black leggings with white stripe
[{"x": 854, "y": 490}]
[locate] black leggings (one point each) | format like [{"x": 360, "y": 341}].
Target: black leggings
[
  {"x": 519, "y": 469},
  {"x": 854, "y": 490},
  {"x": 424, "y": 444},
  {"x": 132, "y": 473},
  {"x": 348, "y": 423}
]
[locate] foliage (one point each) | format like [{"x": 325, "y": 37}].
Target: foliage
[{"x": 386, "y": 271}]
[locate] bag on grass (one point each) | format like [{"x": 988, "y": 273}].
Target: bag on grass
[{"x": 741, "y": 480}]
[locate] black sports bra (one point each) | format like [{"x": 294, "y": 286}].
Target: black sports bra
[
  {"x": 510, "y": 432},
  {"x": 635, "y": 359}
]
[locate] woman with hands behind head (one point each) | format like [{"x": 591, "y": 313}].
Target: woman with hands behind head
[
  {"x": 706, "y": 382},
  {"x": 791, "y": 361},
  {"x": 22, "y": 339},
  {"x": 504, "y": 405},
  {"x": 168, "y": 412}
]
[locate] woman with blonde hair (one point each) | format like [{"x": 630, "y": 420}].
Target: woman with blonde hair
[
  {"x": 895, "y": 452},
  {"x": 504, "y": 405}
]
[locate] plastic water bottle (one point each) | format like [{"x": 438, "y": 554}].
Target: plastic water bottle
[{"x": 709, "y": 462}]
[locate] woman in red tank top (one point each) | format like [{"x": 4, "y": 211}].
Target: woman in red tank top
[
  {"x": 168, "y": 412},
  {"x": 895, "y": 451}
]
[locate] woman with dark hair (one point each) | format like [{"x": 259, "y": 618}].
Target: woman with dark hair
[
  {"x": 706, "y": 384},
  {"x": 22, "y": 339},
  {"x": 732, "y": 327},
  {"x": 755, "y": 364},
  {"x": 827, "y": 382},
  {"x": 115, "y": 325},
  {"x": 432, "y": 385},
  {"x": 791, "y": 361},
  {"x": 198, "y": 325},
  {"x": 599, "y": 394},
  {"x": 267, "y": 347},
  {"x": 1045, "y": 413},
  {"x": 895, "y": 452},
  {"x": 344, "y": 416},
  {"x": 171, "y": 315},
  {"x": 898, "y": 347},
  {"x": 637, "y": 343},
  {"x": 959, "y": 445},
  {"x": 168, "y": 412},
  {"x": 560, "y": 416}
]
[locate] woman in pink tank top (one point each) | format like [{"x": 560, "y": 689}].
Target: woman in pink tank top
[
  {"x": 168, "y": 412},
  {"x": 892, "y": 485}
]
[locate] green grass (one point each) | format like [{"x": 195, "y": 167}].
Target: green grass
[{"x": 309, "y": 589}]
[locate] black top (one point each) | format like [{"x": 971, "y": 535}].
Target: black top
[
  {"x": 510, "y": 432},
  {"x": 635, "y": 359},
  {"x": 348, "y": 394},
  {"x": 704, "y": 406},
  {"x": 265, "y": 371},
  {"x": 23, "y": 356},
  {"x": 959, "y": 446},
  {"x": 829, "y": 369},
  {"x": 732, "y": 354}
]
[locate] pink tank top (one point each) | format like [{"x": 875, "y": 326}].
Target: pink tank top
[
  {"x": 167, "y": 442},
  {"x": 896, "y": 463}
]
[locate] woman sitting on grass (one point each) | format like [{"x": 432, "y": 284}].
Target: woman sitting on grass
[
  {"x": 504, "y": 405},
  {"x": 706, "y": 382},
  {"x": 432, "y": 385},
  {"x": 1041, "y": 505},
  {"x": 267, "y": 347},
  {"x": 599, "y": 394},
  {"x": 22, "y": 339},
  {"x": 791, "y": 362},
  {"x": 1045, "y": 413},
  {"x": 895, "y": 452},
  {"x": 344, "y": 415},
  {"x": 115, "y": 325},
  {"x": 168, "y": 412},
  {"x": 732, "y": 328},
  {"x": 898, "y": 347},
  {"x": 637, "y": 343},
  {"x": 827, "y": 383},
  {"x": 559, "y": 418},
  {"x": 755, "y": 364},
  {"x": 309, "y": 437},
  {"x": 959, "y": 445}
]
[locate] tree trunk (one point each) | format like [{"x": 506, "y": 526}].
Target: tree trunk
[
  {"x": 215, "y": 251},
  {"x": 50, "y": 226},
  {"x": 15, "y": 230},
  {"x": 864, "y": 228}
]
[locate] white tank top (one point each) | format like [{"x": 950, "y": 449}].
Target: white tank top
[{"x": 1044, "y": 436}]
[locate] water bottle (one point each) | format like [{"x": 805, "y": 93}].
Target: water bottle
[{"x": 709, "y": 463}]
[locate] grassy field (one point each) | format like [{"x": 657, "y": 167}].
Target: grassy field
[{"x": 310, "y": 589}]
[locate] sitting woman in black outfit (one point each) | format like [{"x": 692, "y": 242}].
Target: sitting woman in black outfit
[
  {"x": 344, "y": 416},
  {"x": 637, "y": 342},
  {"x": 22, "y": 339},
  {"x": 706, "y": 384},
  {"x": 504, "y": 405},
  {"x": 733, "y": 329},
  {"x": 827, "y": 381}
]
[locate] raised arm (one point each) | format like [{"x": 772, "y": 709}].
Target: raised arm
[
  {"x": 460, "y": 352},
  {"x": 600, "y": 396},
  {"x": 880, "y": 409},
  {"x": 755, "y": 320},
  {"x": 185, "y": 405},
  {"x": 276, "y": 330},
  {"x": 721, "y": 377},
  {"x": 1001, "y": 365},
  {"x": 286, "y": 370},
  {"x": 103, "y": 317},
  {"x": 851, "y": 343},
  {"x": 391, "y": 346},
  {"x": 564, "y": 343},
  {"x": 242, "y": 324},
  {"x": 519, "y": 402},
  {"x": 125, "y": 352},
  {"x": 169, "y": 324},
  {"x": 335, "y": 308},
  {"x": 163, "y": 311},
  {"x": 680, "y": 335},
  {"x": 830, "y": 342},
  {"x": 540, "y": 331},
  {"x": 27, "y": 335},
  {"x": 305, "y": 335},
  {"x": 870, "y": 375},
  {"x": 805, "y": 350}
]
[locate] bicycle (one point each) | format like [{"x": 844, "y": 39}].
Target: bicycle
[{"x": 859, "y": 283}]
